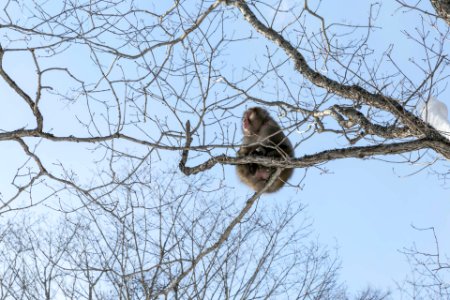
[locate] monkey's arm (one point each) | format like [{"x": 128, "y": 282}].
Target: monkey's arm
[
  {"x": 274, "y": 142},
  {"x": 243, "y": 151},
  {"x": 249, "y": 145}
]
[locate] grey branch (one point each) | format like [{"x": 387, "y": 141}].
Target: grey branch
[
  {"x": 328, "y": 155},
  {"x": 223, "y": 237},
  {"x": 354, "y": 92}
]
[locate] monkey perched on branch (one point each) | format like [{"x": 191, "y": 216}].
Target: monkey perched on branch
[{"x": 263, "y": 137}]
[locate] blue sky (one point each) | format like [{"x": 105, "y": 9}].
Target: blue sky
[{"x": 365, "y": 208}]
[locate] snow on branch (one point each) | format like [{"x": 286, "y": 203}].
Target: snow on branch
[{"x": 435, "y": 113}]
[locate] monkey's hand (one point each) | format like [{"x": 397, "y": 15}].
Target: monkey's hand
[
  {"x": 244, "y": 151},
  {"x": 260, "y": 151}
]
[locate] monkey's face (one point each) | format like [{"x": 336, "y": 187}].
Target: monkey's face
[{"x": 252, "y": 120}]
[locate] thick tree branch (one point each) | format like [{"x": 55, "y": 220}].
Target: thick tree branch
[
  {"x": 356, "y": 117},
  {"x": 24, "y": 133},
  {"x": 442, "y": 8},
  {"x": 328, "y": 155},
  {"x": 354, "y": 92}
]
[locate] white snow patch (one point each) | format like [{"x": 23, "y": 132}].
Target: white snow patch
[{"x": 435, "y": 113}]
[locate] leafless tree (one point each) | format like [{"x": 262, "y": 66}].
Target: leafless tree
[
  {"x": 164, "y": 240},
  {"x": 104, "y": 98},
  {"x": 429, "y": 277}
]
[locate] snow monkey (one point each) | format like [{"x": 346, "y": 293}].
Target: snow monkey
[{"x": 263, "y": 137}]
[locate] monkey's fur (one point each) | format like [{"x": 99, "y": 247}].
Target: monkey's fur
[{"x": 263, "y": 137}]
